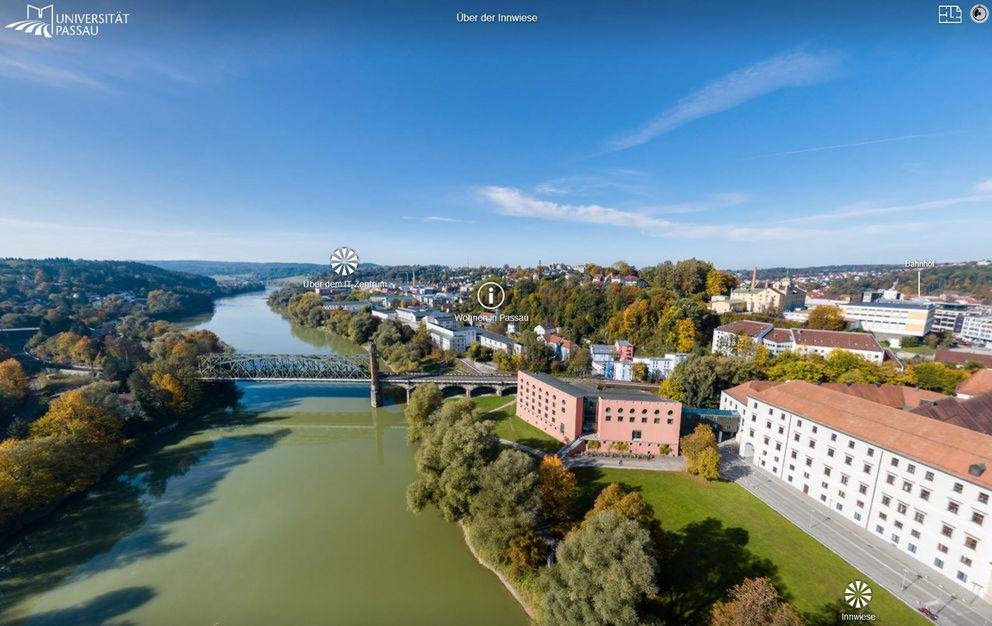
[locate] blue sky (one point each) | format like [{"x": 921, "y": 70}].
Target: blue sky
[{"x": 830, "y": 132}]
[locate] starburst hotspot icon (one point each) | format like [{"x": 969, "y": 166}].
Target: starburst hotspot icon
[
  {"x": 344, "y": 261},
  {"x": 857, "y": 594}
]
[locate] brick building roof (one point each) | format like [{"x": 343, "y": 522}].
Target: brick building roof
[{"x": 943, "y": 445}]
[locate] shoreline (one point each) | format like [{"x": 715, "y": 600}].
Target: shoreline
[{"x": 517, "y": 595}]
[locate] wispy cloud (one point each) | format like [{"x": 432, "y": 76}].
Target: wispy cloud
[
  {"x": 982, "y": 195},
  {"x": 514, "y": 202},
  {"x": 436, "y": 218},
  {"x": 39, "y": 71},
  {"x": 855, "y": 144},
  {"x": 791, "y": 69}
]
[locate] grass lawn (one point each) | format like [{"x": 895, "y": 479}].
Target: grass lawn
[
  {"x": 920, "y": 350},
  {"x": 509, "y": 426},
  {"x": 810, "y": 576}
]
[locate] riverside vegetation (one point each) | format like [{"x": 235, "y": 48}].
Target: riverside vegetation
[{"x": 611, "y": 559}]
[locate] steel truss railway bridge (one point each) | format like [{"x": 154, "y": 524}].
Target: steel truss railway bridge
[{"x": 345, "y": 370}]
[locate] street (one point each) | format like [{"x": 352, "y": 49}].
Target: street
[{"x": 908, "y": 580}]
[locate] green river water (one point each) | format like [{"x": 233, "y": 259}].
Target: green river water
[{"x": 289, "y": 511}]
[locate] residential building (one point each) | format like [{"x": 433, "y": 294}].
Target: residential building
[
  {"x": 383, "y": 314},
  {"x": 978, "y": 383},
  {"x": 494, "y": 342},
  {"x": 456, "y": 339},
  {"x": 645, "y": 422},
  {"x": 601, "y": 352},
  {"x": 412, "y": 315},
  {"x": 781, "y": 295},
  {"x": 352, "y": 306},
  {"x": 960, "y": 357},
  {"x": 660, "y": 367},
  {"x": 920, "y": 483},
  {"x": 977, "y": 330},
  {"x": 624, "y": 350},
  {"x": 725, "y": 337},
  {"x": 439, "y": 318},
  {"x": 563, "y": 348},
  {"x": 894, "y": 318}
]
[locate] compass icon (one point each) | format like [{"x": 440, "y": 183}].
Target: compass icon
[{"x": 344, "y": 261}]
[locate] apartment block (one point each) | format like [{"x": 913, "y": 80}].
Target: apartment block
[{"x": 919, "y": 483}]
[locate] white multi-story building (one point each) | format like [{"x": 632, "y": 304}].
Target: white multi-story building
[
  {"x": 897, "y": 318},
  {"x": 494, "y": 341},
  {"x": 800, "y": 340},
  {"x": 977, "y": 330},
  {"x": 456, "y": 339},
  {"x": 919, "y": 483},
  {"x": 660, "y": 367}
]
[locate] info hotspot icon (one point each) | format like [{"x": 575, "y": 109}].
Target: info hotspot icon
[{"x": 491, "y": 295}]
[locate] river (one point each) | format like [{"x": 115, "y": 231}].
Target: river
[{"x": 290, "y": 510}]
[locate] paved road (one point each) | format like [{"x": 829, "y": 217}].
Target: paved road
[
  {"x": 657, "y": 464},
  {"x": 912, "y": 582}
]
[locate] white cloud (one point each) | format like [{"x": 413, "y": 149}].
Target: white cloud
[
  {"x": 982, "y": 195},
  {"x": 49, "y": 74},
  {"x": 791, "y": 69},
  {"x": 514, "y": 202},
  {"x": 983, "y": 186},
  {"x": 435, "y": 218}
]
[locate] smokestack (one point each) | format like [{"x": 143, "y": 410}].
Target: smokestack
[{"x": 754, "y": 277}]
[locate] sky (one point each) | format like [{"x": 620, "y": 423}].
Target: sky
[{"x": 744, "y": 133}]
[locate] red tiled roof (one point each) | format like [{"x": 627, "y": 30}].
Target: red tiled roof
[
  {"x": 780, "y": 335},
  {"x": 742, "y": 391},
  {"x": 959, "y": 356},
  {"x": 974, "y": 413},
  {"x": 943, "y": 445},
  {"x": 836, "y": 339},
  {"x": 977, "y": 383},
  {"x": 747, "y": 327},
  {"x": 896, "y": 396}
]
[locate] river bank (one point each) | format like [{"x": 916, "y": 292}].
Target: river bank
[{"x": 289, "y": 510}]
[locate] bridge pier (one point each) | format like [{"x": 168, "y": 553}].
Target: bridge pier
[{"x": 375, "y": 388}]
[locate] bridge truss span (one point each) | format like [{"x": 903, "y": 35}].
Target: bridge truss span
[{"x": 324, "y": 367}]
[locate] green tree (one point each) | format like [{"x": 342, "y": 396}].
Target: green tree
[
  {"x": 455, "y": 451},
  {"x": 580, "y": 361},
  {"x": 937, "y": 376},
  {"x": 503, "y": 517},
  {"x": 604, "y": 574},
  {"x": 825, "y": 317},
  {"x": 424, "y": 400}
]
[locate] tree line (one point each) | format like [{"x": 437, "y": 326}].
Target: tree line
[
  {"x": 145, "y": 376},
  {"x": 699, "y": 380}
]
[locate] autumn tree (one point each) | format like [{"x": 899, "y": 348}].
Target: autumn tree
[
  {"x": 686, "y": 336},
  {"x": 719, "y": 283},
  {"x": 826, "y": 317},
  {"x": 558, "y": 488},
  {"x": 629, "y": 505},
  {"x": 754, "y": 602},
  {"x": 13, "y": 384},
  {"x": 700, "y": 451},
  {"x": 604, "y": 574}
]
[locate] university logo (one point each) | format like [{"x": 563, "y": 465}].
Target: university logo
[
  {"x": 45, "y": 22},
  {"x": 40, "y": 21}
]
